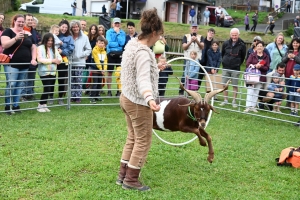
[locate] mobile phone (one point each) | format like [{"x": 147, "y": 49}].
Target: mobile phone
[
  {"x": 291, "y": 51},
  {"x": 25, "y": 35}
]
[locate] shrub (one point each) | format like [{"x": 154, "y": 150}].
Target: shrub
[
  {"x": 16, "y": 4},
  {"x": 290, "y": 30},
  {"x": 279, "y": 15}
]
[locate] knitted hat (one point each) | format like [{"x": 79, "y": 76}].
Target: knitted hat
[
  {"x": 257, "y": 38},
  {"x": 297, "y": 67},
  {"x": 275, "y": 74}
]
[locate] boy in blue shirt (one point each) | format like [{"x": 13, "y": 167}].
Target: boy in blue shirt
[
  {"x": 294, "y": 91},
  {"x": 163, "y": 75},
  {"x": 192, "y": 14}
]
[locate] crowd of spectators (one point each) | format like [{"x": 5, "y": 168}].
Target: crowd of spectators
[
  {"x": 89, "y": 48},
  {"x": 276, "y": 64},
  {"x": 76, "y": 45}
]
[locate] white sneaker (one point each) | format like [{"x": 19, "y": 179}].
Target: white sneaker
[
  {"x": 41, "y": 108},
  {"x": 234, "y": 105},
  {"x": 223, "y": 103},
  {"x": 247, "y": 109},
  {"x": 254, "y": 110},
  {"x": 45, "y": 108}
]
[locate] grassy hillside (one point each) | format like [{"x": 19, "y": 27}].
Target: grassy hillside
[{"x": 173, "y": 29}]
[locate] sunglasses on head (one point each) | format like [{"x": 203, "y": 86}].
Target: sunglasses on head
[{"x": 256, "y": 40}]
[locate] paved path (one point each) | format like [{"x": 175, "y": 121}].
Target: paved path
[{"x": 278, "y": 24}]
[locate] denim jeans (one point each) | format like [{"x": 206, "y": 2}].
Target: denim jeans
[
  {"x": 73, "y": 11},
  {"x": 13, "y": 89},
  {"x": 28, "y": 83},
  {"x": 83, "y": 11},
  {"x": 112, "y": 13},
  {"x": 267, "y": 28}
]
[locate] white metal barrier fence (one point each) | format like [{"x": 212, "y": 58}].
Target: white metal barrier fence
[{"x": 171, "y": 90}]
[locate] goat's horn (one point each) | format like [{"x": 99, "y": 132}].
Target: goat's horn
[
  {"x": 186, "y": 104},
  {"x": 196, "y": 96},
  {"x": 208, "y": 96}
]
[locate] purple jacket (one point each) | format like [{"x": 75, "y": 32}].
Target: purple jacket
[
  {"x": 253, "y": 59},
  {"x": 246, "y": 20}
]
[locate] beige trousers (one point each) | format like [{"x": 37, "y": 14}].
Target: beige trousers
[{"x": 139, "y": 126}]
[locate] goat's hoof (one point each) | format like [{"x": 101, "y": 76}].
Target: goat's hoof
[
  {"x": 203, "y": 143},
  {"x": 210, "y": 159}
]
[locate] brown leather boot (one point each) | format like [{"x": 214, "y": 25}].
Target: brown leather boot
[
  {"x": 131, "y": 180},
  {"x": 122, "y": 173}
]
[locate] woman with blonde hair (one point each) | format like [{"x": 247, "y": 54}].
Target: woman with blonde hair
[
  {"x": 101, "y": 30},
  {"x": 277, "y": 50}
]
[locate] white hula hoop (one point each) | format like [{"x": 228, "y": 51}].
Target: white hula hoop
[{"x": 209, "y": 115}]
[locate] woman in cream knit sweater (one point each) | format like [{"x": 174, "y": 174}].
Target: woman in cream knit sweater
[{"x": 139, "y": 78}]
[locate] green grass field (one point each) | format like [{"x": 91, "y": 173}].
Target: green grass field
[{"x": 75, "y": 154}]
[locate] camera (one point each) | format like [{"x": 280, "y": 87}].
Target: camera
[{"x": 194, "y": 34}]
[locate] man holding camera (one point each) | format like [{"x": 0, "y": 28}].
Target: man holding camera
[
  {"x": 192, "y": 42},
  {"x": 29, "y": 79}
]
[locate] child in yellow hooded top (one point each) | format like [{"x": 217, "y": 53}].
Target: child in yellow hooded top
[{"x": 97, "y": 70}]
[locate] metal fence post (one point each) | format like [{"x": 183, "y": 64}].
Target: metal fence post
[{"x": 69, "y": 85}]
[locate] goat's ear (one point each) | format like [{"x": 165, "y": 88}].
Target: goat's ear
[{"x": 213, "y": 109}]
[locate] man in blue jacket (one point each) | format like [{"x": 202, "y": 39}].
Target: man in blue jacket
[
  {"x": 115, "y": 37},
  {"x": 192, "y": 14}
]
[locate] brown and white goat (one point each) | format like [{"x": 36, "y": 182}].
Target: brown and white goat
[{"x": 185, "y": 115}]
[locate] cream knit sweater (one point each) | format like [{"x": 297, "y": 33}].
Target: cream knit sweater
[{"x": 139, "y": 73}]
